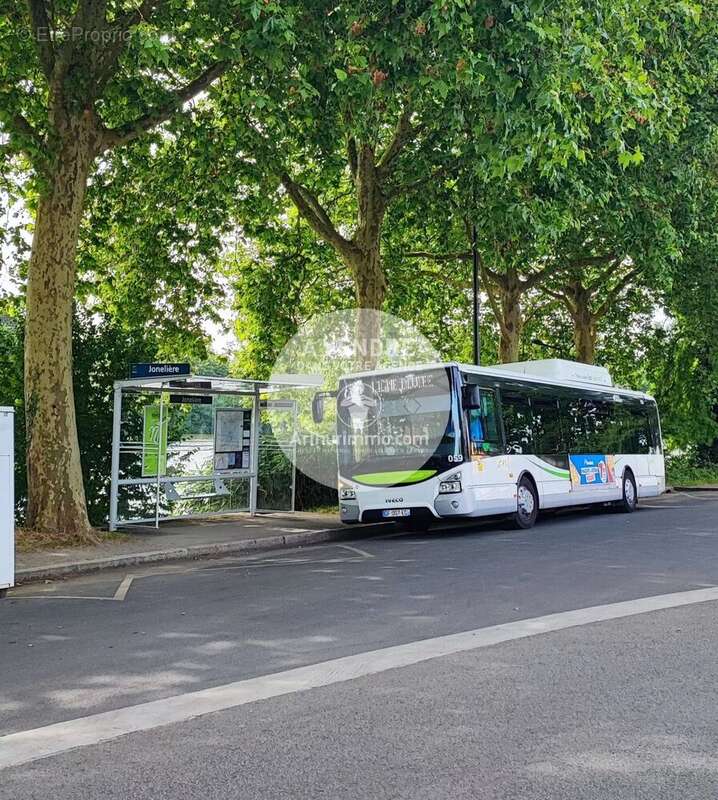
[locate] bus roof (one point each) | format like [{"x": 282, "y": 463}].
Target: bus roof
[{"x": 550, "y": 371}]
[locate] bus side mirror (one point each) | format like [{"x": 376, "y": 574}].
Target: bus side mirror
[
  {"x": 318, "y": 407},
  {"x": 472, "y": 396}
]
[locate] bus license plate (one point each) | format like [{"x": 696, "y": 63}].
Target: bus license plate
[{"x": 396, "y": 512}]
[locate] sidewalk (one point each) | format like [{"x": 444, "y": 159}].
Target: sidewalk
[{"x": 190, "y": 539}]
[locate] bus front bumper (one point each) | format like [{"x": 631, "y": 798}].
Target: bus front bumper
[{"x": 349, "y": 512}]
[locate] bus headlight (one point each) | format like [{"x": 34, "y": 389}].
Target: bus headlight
[
  {"x": 347, "y": 494},
  {"x": 449, "y": 487}
]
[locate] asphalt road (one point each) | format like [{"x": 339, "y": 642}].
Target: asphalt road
[{"x": 624, "y": 708}]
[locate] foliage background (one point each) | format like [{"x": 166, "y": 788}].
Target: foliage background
[{"x": 559, "y": 130}]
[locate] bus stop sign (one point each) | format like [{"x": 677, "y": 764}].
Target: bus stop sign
[{"x": 158, "y": 370}]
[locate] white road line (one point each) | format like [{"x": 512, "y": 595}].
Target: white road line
[
  {"x": 356, "y": 550},
  {"x": 32, "y": 745},
  {"x": 123, "y": 588},
  {"x": 58, "y": 597},
  {"x": 119, "y": 595},
  {"x": 695, "y": 496}
]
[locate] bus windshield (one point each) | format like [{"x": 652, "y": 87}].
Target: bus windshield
[{"x": 402, "y": 421}]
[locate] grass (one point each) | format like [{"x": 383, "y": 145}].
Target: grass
[
  {"x": 28, "y": 541},
  {"x": 323, "y": 509},
  {"x": 680, "y": 472}
]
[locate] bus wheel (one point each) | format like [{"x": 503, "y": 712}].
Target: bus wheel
[
  {"x": 526, "y": 505},
  {"x": 629, "y": 501}
]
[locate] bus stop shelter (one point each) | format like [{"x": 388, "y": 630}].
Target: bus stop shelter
[{"x": 189, "y": 445}]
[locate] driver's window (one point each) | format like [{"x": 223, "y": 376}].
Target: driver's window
[{"x": 483, "y": 426}]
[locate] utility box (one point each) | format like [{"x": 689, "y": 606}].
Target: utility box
[{"x": 7, "y": 499}]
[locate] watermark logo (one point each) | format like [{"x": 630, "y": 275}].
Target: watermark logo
[
  {"x": 384, "y": 406},
  {"x": 359, "y": 405},
  {"x": 97, "y": 36}
]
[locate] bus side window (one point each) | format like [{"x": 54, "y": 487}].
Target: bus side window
[
  {"x": 572, "y": 424},
  {"x": 518, "y": 426},
  {"x": 483, "y": 425},
  {"x": 635, "y": 429},
  {"x": 600, "y": 427},
  {"x": 547, "y": 426},
  {"x": 643, "y": 429},
  {"x": 656, "y": 443}
]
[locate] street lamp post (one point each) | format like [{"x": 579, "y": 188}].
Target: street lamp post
[{"x": 476, "y": 298}]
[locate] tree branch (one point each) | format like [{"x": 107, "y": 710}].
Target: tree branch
[
  {"x": 118, "y": 36},
  {"x": 437, "y": 275},
  {"x": 89, "y": 17},
  {"x": 591, "y": 261},
  {"x": 403, "y": 134},
  {"x": 615, "y": 292},
  {"x": 19, "y": 125},
  {"x": 605, "y": 274},
  {"x": 562, "y": 298},
  {"x": 42, "y": 35},
  {"x": 353, "y": 157},
  {"x": 498, "y": 278},
  {"x": 404, "y": 188},
  {"x": 316, "y": 216},
  {"x": 115, "y": 137},
  {"x": 140, "y": 14},
  {"x": 459, "y": 256},
  {"x": 535, "y": 278},
  {"x": 493, "y": 302}
]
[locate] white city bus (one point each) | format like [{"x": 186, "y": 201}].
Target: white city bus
[{"x": 509, "y": 439}]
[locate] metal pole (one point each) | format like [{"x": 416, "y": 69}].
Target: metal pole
[
  {"x": 115, "y": 467},
  {"x": 294, "y": 455},
  {"x": 254, "y": 457},
  {"x": 476, "y": 298},
  {"x": 159, "y": 462}
]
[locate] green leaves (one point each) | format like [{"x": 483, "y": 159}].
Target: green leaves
[
  {"x": 553, "y": 126},
  {"x": 627, "y": 158}
]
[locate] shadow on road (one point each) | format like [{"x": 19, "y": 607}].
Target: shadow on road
[{"x": 499, "y": 525}]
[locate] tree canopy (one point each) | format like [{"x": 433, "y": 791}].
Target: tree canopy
[{"x": 170, "y": 171}]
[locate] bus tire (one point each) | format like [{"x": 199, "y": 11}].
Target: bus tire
[
  {"x": 629, "y": 497},
  {"x": 527, "y": 505}
]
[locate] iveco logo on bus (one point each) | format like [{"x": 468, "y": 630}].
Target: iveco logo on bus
[{"x": 393, "y": 499}]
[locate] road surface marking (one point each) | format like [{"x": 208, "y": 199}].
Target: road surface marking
[
  {"x": 695, "y": 496},
  {"x": 123, "y": 588},
  {"x": 58, "y": 597},
  {"x": 356, "y": 550},
  {"x": 119, "y": 594},
  {"x": 32, "y": 745}
]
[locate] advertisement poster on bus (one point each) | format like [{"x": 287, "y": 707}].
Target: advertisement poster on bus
[{"x": 592, "y": 470}]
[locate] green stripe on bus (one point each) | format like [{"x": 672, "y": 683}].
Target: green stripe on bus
[
  {"x": 402, "y": 476},
  {"x": 557, "y": 471}
]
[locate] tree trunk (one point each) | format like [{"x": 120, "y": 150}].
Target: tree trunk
[
  {"x": 584, "y": 324},
  {"x": 362, "y": 253},
  {"x": 370, "y": 291},
  {"x": 364, "y": 260},
  {"x": 512, "y": 322},
  {"x": 56, "y": 494},
  {"x": 584, "y": 338}
]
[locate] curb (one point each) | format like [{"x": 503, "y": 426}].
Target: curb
[
  {"x": 70, "y": 568},
  {"x": 708, "y": 488}
]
